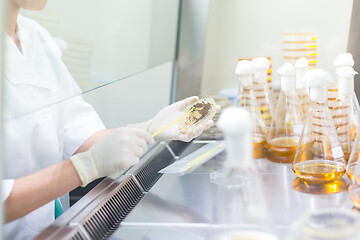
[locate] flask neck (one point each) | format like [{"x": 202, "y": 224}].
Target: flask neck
[
  {"x": 246, "y": 81},
  {"x": 239, "y": 149},
  {"x": 345, "y": 87},
  {"x": 318, "y": 94},
  {"x": 260, "y": 76},
  {"x": 299, "y": 79},
  {"x": 287, "y": 83}
]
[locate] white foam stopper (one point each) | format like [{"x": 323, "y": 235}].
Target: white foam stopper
[
  {"x": 245, "y": 71},
  {"x": 345, "y": 81},
  {"x": 318, "y": 80},
  {"x": 287, "y": 77},
  {"x": 344, "y": 60},
  {"x": 301, "y": 67},
  {"x": 236, "y": 123},
  {"x": 234, "y": 120},
  {"x": 261, "y": 65}
]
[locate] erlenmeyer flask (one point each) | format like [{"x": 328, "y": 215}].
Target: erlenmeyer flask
[
  {"x": 240, "y": 210},
  {"x": 353, "y": 171},
  {"x": 301, "y": 67},
  {"x": 342, "y": 60},
  {"x": 352, "y": 167},
  {"x": 346, "y": 110},
  {"x": 319, "y": 156},
  {"x": 262, "y": 90},
  {"x": 287, "y": 123},
  {"x": 245, "y": 72}
]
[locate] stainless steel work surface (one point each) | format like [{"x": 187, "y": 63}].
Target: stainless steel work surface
[{"x": 182, "y": 206}]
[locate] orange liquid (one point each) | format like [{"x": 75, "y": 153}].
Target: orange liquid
[
  {"x": 259, "y": 150},
  {"x": 319, "y": 170},
  {"x": 336, "y": 186},
  {"x": 282, "y": 149}
]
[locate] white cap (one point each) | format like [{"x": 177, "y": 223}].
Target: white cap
[
  {"x": 245, "y": 71},
  {"x": 318, "y": 78},
  {"x": 345, "y": 81},
  {"x": 234, "y": 120},
  {"x": 344, "y": 60},
  {"x": 318, "y": 81},
  {"x": 244, "y": 67},
  {"x": 302, "y": 63},
  {"x": 236, "y": 123},
  {"x": 287, "y": 77},
  {"x": 301, "y": 67},
  {"x": 261, "y": 65},
  {"x": 346, "y": 72}
]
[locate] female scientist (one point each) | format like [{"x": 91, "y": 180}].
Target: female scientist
[{"x": 58, "y": 148}]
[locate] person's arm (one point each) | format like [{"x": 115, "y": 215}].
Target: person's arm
[
  {"x": 114, "y": 152},
  {"x": 33, "y": 191},
  {"x": 96, "y": 137}
]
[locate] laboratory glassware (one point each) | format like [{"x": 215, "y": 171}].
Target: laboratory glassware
[
  {"x": 319, "y": 156},
  {"x": 269, "y": 71},
  {"x": 240, "y": 210},
  {"x": 288, "y": 120},
  {"x": 244, "y": 71},
  {"x": 326, "y": 224},
  {"x": 354, "y": 175},
  {"x": 200, "y": 112},
  {"x": 261, "y": 89},
  {"x": 342, "y": 60},
  {"x": 346, "y": 110},
  {"x": 301, "y": 67}
]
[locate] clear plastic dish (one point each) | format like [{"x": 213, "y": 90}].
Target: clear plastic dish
[{"x": 204, "y": 111}]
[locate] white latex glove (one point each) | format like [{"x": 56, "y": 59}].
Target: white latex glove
[
  {"x": 120, "y": 150},
  {"x": 169, "y": 114}
]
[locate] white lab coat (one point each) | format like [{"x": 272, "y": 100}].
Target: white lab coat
[{"x": 37, "y": 139}]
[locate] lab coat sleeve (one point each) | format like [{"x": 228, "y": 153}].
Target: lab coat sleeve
[
  {"x": 7, "y": 186},
  {"x": 82, "y": 121}
]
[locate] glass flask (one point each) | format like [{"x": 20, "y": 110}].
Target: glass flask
[
  {"x": 346, "y": 110},
  {"x": 288, "y": 122},
  {"x": 301, "y": 67},
  {"x": 245, "y": 71},
  {"x": 352, "y": 165},
  {"x": 262, "y": 90},
  {"x": 319, "y": 156},
  {"x": 354, "y": 187},
  {"x": 342, "y": 60},
  {"x": 326, "y": 224},
  {"x": 240, "y": 210}
]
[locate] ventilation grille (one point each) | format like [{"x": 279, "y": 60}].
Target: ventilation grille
[
  {"x": 149, "y": 175},
  {"x": 78, "y": 236},
  {"x": 105, "y": 219}
]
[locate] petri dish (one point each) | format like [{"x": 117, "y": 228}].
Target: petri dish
[{"x": 205, "y": 110}]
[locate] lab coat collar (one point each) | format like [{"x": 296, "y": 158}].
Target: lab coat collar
[{"x": 20, "y": 67}]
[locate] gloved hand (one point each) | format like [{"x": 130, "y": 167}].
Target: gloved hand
[
  {"x": 117, "y": 151},
  {"x": 169, "y": 114}
]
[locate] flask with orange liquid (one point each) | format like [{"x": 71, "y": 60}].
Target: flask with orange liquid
[
  {"x": 288, "y": 120},
  {"x": 346, "y": 110},
  {"x": 262, "y": 89},
  {"x": 319, "y": 156},
  {"x": 245, "y": 71}
]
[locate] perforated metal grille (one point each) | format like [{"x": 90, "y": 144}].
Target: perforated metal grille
[
  {"x": 78, "y": 236},
  {"x": 103, "y": 221},
  {"x": 149, "y": 175}
]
